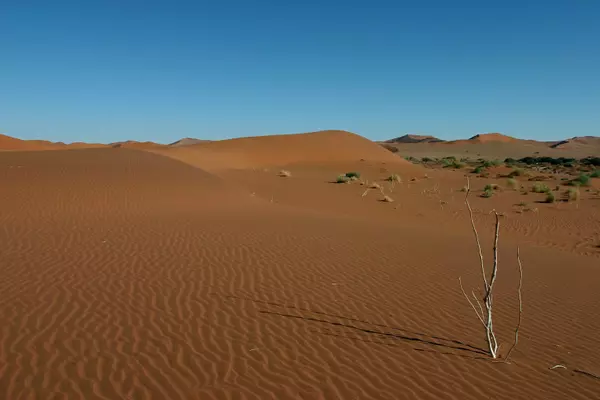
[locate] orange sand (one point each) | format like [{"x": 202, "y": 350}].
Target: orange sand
[{"x": 128, "y": 274}]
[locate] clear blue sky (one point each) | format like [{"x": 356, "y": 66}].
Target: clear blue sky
[{"x": 111, "y": 70}]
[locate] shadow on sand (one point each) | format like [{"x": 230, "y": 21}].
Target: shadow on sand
[{"x": 346, "y": 325}]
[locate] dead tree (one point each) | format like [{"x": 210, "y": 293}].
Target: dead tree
[{"x": 484, "y": 313}]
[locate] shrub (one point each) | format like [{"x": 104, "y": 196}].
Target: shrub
[
  {"x": 450, "y": 162},
  {"x": 510, "y": 161},
  {"x": 549, "y": 197},
  {"x": 595, "y": 161},
  {"x": 394, "y": 178},
  {"x": 391, "y": 148},
  {"x": 478, "y": 170},
  {"x": 512, "y": 183},
  {"x": 353, "y": 175},
  {"x": 581, "y": 180},
  {"x": 426, "y": 159},
  {"x": 539, "y": 187},
  {"x": 516, "y": 172},
  {"x": 595, "y": 174},
  {"x": 491, "y": 186},
  {"x": 487, "y": 193},
  {"x": 342, "y": 179},
  {"x": 572, "y": 194}
]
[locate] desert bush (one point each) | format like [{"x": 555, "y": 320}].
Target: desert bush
[
  {"x": 516, "y": 172},
  {"x": 389, "y": 147},
  {"x": 539, "y": 187},
  {"x": 572, "y": 194},
  {"x": 478, "y": 170},
  {"x": 550, "y": 197},
  {"x": 353, "y": 175},
  {"x": 595, "y": 161},
  {"x": 512, "y": 183},
  {"x": 394, "y": 178},
  {"x": 595, "y": 174},
  {"x": 581, "y": 180},
  {"x": 426, "y": 159},
  {"x": 510, "y": 161},
  {"x": 452, "y": 163},
  {"x": 342, "y": 179},
  {"x": 487, "y": 193},
  {"x": 491, "y": 186}
]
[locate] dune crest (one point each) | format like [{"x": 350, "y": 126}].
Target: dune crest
[{"x": 265, "y": 151}]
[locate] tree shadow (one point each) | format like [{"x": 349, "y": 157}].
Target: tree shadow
[{"x": 351, "y": 325}]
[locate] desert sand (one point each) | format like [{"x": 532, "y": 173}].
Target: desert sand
[
  {"x": 197, "y": 272},
  {"x": 494, "y": 146}
]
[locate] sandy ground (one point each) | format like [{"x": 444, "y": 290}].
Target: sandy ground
[{"x": 130, "y": 274}]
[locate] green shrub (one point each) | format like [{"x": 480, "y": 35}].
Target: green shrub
[
  {"x": 353, "y": 175},
  {"x": 581, "y": 180},
  {"x": 342, "y": 179},
  {"x": 450, "y": 162},
  {"x": 539, "y": 187},
  {"x": 549, "y": 197},
  {"x": 595, "y": 174},
  {"x": 572, "y": 194},
  {"x": 516, "y": 172},
  {"x": 394, "y": 178},
  {"x": 426, "y": 159},
  {"x": 512, "y": 183},
  {"x": 487, "y": 193},
  {"x": 478, "y": 170}
]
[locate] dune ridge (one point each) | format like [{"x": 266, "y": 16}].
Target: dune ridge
[{"x": 282, "y": 150}]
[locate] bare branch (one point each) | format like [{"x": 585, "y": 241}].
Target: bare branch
[
  {"x": 475, "y": 233},
  {"x": 480, "y": 317},
  {"x": 478, "y": 303},
  {"x": 520, "y": 304}
]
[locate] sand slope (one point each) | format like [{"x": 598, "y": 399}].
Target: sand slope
[
  {"x": 281, "y": 150},
  {"x": 126, "y": 274}
]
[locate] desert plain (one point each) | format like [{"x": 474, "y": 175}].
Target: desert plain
[{"x": 252, "y": 268}]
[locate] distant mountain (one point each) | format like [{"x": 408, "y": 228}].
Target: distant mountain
[
  {"x": 415, "y": 139},
  {"x": 187, "y": 142}
]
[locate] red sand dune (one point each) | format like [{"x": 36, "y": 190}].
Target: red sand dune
[
  {"x": 11, "y": 143},
  {"x": 127, "y": 274},
  {"x": 415, "y": 139},
  {"x": 281, "y": 150},
  {"x": 492, "y": 137},
  {"x": 132, "y": 144}
]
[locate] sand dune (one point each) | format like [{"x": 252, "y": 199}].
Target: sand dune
[
  {"x": 281, "y": 150},
  {"x": 187, "y": 142},
  {"x": 414, "y": 139},
  {"x": 497, "y": 146},
  {"x": 492, "y": 137},
  {"x": 128, "y": 274},
  {"x": 10, "y": 143}
]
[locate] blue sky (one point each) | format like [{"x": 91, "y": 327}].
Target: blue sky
[{"x": 109, "y": 70}]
